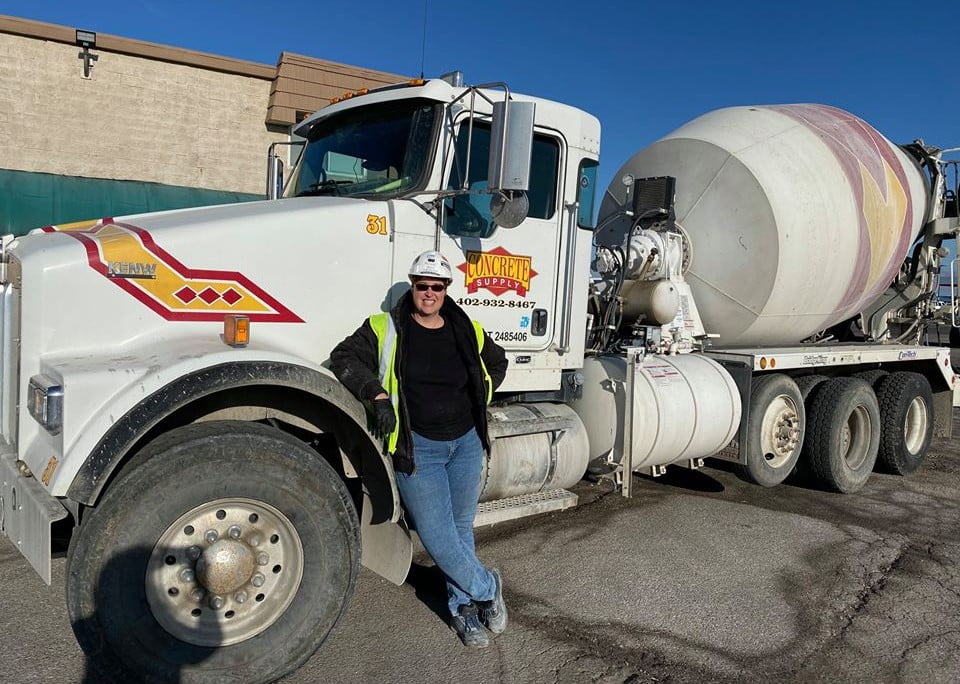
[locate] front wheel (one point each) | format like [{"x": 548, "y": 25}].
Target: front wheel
[{"x": 222, "y": 547}]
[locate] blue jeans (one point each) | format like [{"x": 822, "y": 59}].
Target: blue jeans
[{"x": 441, "y": 498}]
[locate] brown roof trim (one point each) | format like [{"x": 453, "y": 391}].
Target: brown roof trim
[
  {"x": 339, "y": 67},
  {"x": 138, "y": 48},
  {"x": 305, "y": 84}
]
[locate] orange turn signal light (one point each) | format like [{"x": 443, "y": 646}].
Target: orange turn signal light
[
  {"x": 236, "y": 330},
  {"x": 763, "y": 363},
  {"x": 417, "y": 81}
]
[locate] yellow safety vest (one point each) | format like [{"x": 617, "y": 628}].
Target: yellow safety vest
[{"x": 383, "y": 327}]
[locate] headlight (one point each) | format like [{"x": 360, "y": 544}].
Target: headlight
[{"x": 45, "y": 403}]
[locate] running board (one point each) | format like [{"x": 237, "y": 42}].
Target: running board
[{"x": 511, "y": 508}]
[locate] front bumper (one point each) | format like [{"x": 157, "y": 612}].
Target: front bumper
[{"x": 26, "y": 513}]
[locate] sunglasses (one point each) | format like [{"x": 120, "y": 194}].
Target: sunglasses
[{"x": 423, "y": 287}]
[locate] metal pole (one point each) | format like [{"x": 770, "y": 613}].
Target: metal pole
[{"x": 626, "y": 462}]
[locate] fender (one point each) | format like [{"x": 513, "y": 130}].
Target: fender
[{"x": 127, "y": 432}]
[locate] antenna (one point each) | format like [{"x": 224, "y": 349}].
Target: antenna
[{"x": 423, "y": 43}]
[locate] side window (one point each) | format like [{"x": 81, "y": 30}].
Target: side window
[
  {"x": 469, "y": 215},
  {"x": 586, "y": 193}
]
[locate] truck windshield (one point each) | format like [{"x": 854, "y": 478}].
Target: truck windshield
[{"x": 379, "y": 150}]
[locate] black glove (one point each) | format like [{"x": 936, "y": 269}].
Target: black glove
[{"x": 384, "y": 419}]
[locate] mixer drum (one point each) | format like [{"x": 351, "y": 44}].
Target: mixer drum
[{"x": 799, "y": 216}]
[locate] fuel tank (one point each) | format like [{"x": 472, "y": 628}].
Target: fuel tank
[
  {"x": 531, "y": 463},
  {"x": 684, "y": 406},
  {"x": 798, "y": 215}
]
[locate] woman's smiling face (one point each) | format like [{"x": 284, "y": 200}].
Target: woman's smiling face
[{"x": 428, "y": 294}]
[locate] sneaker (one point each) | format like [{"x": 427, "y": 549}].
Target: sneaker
[
  {"x": 466, "y": 623},
  {"x": 494, "y": 613}
]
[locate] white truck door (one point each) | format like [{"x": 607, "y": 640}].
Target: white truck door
[{"x": 507, "y": 279}]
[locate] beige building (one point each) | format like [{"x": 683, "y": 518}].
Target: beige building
[{"x": 147, "y": 126}]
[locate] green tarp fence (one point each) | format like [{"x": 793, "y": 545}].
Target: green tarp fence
[{"x": 30, "y": 200}]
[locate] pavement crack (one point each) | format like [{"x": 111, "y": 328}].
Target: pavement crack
[
  {"x": 874, "y": 587},
  {"x": 907, "y": 652}
]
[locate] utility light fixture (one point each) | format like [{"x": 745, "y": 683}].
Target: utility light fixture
[{"x": 86, "y": 39}]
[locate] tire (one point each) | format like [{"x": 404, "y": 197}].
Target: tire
[
  {"x": 906, "y": 413},
  {"x": 807, "y": 383},
  {"x": 843, "y": 434},
  {"x": 775, "y": 427},
  {"x": 133, "y": 608},
  {"x": 871, "y": 377}
]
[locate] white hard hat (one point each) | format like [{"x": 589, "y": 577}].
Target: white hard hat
[{"x": 431, "y": 264}]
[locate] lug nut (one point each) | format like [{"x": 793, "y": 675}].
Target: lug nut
[
  {"x": 186, "y": 575},
  {"x": 194, "y": 552},
  {"x": 211, "y": 536},
  {"x": 216, "y": 602},
  {"x": 262, "y": 558},
  {"x": 254, "y": 540},
  {"x": 197, "y": 594},
  {"x": 258, "y": 580},
  {"x": 234, "y": 531},
  {"x": 240, "y": 596}
]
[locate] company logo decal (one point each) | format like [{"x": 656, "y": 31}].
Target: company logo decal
[
  {"x": 497, "y": 271},
  {"x": 128, "y": 257}
]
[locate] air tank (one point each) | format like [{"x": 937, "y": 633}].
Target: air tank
[{"x": 798, "y": 215}]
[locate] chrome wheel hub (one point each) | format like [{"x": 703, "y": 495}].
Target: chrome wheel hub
[
  {"x": 224, "y": 572},
  {"x": 224, "y": 566},
  {"x": 915, "y": 425},
  {"x": 780, "y": 431}
]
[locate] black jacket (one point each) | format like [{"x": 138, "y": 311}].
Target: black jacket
[{"x": 355, "y": 363}]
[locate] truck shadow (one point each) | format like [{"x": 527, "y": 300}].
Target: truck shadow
[
  {"x": 685, "y": 478},
  {"x": 122, "y": 641}
]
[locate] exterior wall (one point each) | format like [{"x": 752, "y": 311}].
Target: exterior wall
[
  {"x": 304, "y": 85},
  {"x": 135, "y": 119}
]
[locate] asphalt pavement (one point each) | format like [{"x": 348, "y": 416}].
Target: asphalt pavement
[{"x": 699, "y": 577}]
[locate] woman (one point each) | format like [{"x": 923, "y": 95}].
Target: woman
[{"x": 427, "y": 372}]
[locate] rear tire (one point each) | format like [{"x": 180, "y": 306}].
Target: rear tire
[
  {"x": 775, "y": 427},
  {"x": 807, "y": 384},
  {"x": 146, "y": 606},
  {"x": 843, "y": 434},
  {"x": 872, "y": 377},
  {"x": 906, "y": 412}
]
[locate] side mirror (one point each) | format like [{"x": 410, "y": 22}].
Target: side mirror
[
  {"x": 274, "y": 175},
  {"x": 509, "y": 208},
  {"x": 511, "y": 145}
]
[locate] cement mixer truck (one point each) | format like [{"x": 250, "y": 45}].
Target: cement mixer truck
[{"x": 754, "y": 287}]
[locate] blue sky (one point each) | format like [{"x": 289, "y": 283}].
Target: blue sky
[{"x": 643, "y": 68}]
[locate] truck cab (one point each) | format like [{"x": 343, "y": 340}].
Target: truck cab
[{"x": 424, "y": 150}]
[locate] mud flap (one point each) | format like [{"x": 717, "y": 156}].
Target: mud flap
[
  {"x": 386, "y": 547},
  {"x": 26, "y": 513}
]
